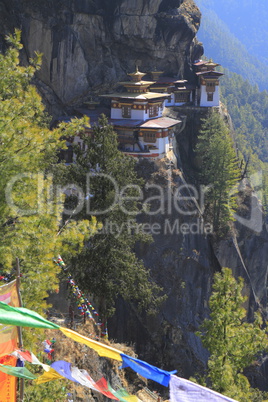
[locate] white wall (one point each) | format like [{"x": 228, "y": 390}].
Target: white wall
[
  {"x": 137, "y": 114},
  {"x": 116, "y": 113},
  {"x": 171, "y": 103},
  {"x": 216, "y": 97}
]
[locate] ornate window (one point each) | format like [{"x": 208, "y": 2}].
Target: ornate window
[
  {"x": 126, "y": 112},
  {"x": 181, "y": 97},
  {"x": 210, "y": 97},
  {"x": 153, "y": 110},
  {"x": 149, "y": 136}
]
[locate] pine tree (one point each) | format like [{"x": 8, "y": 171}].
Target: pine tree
[
  {"x": 233, "y": 343},
  {"x": 30, "y": 210},
  {"x": 108, "y": 266},
  {"x": 218, "y": 170}
]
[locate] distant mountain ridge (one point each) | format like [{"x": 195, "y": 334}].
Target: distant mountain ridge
[{"x": 230, "y": 37}]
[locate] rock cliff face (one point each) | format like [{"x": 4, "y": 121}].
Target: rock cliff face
[
  {"x": 183, "y": 258},
  {"x": 89, "y": 45}
]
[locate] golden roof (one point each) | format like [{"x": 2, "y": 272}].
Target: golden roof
[
  {"x": 210, "y": 63},
  {"x": 137, "y": 76}
]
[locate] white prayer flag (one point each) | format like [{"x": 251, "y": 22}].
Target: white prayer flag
[{"x": 182, "y": 390}]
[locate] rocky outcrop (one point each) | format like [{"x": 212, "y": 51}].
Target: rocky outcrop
[
  {"x": 89, "y": 45},
  {"x": 184, "y": 257}
]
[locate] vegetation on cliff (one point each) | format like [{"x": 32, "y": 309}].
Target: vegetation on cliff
[
  {"x": 108, "y": 266},
  {"x": 233, "y": 342},
  {"x": 248, "y": 108},
  {"x": 30, "y": 212},
  {"x": 218, "y": 171}
]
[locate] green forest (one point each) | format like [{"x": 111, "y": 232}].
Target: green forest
[
  {"x": 246, "y": 21},
  {"x": 248, "y": 108},
  {"x": 233, "y": 37}
]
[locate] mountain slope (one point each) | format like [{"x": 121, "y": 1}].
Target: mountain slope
[
  {"x": 246, "y": 20},
  {"x": 221, "y": 43}
]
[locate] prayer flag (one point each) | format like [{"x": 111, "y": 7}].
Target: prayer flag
[
  {"x": 100, "y": 348},
  {"x": 146, "y": 370},
  {"x": 8, "y": 333},
  {"x": 102, "y": 386},
  {"x": 64, "y": 369},
  {"x": 50, "y": 375},
  {"x": 21, "y": 316},
  {"x": 123, "y": 395},
  {"x": 8, "y": 383},
  {"x": 83, "y": 378},
  {"x": 182, "y": 390},
  {"x": 29, "y": 357},
  {"x": 21, "y": 372}
]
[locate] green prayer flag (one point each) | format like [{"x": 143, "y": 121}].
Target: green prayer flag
[
  {"x": 21, "y": 372},
  {"x": 122, "y": 394},
  {"x": 22, "y": 317}
]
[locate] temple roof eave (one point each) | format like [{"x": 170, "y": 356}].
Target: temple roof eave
[
  {"x": 136, "y": 84},
  {"x": 158, "y": 123},
  {"x": 130, "y": 95},
  {"x": 209, "y": 73},
  {"x": 169, "y": 80}
]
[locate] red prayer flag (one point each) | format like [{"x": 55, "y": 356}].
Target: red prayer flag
[{"x": 102, "y": 386}]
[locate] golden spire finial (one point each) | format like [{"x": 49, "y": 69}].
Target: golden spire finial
[{"x": 137, "y": 76}]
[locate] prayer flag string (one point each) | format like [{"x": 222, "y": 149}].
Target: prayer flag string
[{"x": 84, "y": 306}]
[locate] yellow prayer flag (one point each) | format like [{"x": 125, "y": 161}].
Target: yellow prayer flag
[
  {"x": 50, "y": 375},
  {"x": 131, "y": 398},
  {"x": 100, "y": 348}
]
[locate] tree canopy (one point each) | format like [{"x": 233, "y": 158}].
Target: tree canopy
[
  {"x": 233, "y": 343},
  {"x": 218, "y": 170},
  {"x": 248, "y": 108},
  {"x": 30, "y": 206}
]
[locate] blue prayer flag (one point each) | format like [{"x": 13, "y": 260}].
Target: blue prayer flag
[
  {"x": 64, "y": 369},
  {"x": 146, "y": 370}
]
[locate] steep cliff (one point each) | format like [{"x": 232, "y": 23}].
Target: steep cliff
[
  {"x": 184, "y": 256},
  {"x": 89, "y": 45}
]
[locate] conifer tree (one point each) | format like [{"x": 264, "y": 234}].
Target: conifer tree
[
  {"x": 30, "y": 211},
  {"x": 218, "y": 170},
  {"x": 233, "y": 343},
  {"x": 108, "y": 266}
]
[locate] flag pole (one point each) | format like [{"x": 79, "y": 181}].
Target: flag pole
[{"x": 21, "y": 397}]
